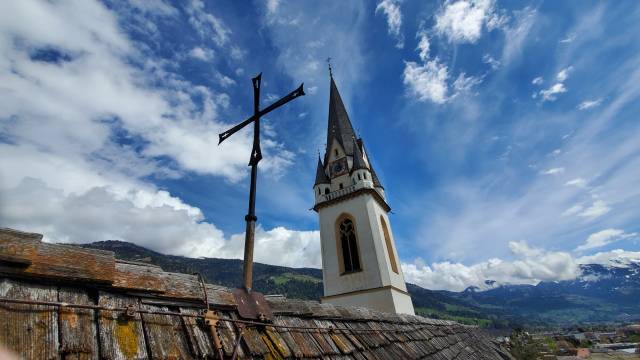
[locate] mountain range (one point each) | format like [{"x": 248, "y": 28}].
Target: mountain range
[{"x": 601, "y": 294}]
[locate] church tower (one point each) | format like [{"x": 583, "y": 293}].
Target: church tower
[{"x": 360, "y": 264}]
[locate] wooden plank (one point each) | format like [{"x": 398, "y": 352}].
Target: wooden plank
[
  {"x": 165, "y": 335},
  {"x": 78, "y": 330},
  {"x": 200, "y": 342},
  {"x": 29, "y": 330},
  {"x": 183, "y": 286},
  {"x": 17, "y": 247},
  {"x": 57, "y": 261},
  {"x": 73, "y": 263},
  {"x": 134, "y": 276},
  {"x": 120, "y": 337},
  {"x": 229, "y": 335}
]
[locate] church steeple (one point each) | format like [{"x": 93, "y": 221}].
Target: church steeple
[
  {"x": 339, "y": 127},
  {"x": 359, "y": 266},
  {"x": 321, "y": 176}
]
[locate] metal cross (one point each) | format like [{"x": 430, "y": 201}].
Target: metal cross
[{"x": 256, "y": 156}]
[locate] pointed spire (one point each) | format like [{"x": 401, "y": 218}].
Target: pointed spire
[
  {"x": 374, "y": 176},
  {"x": 339, "y": 126},
  {"x": 321, "y": 176},
  {"x": 358, "y": 159}
]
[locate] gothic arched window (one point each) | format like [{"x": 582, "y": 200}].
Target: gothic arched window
[
  {"x": 326, "y": 190},
  {"x": 387, "y": 240},
  {"x": 349, "y": 246}
]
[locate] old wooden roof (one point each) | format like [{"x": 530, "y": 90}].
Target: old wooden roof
[{"x": 66, "y": 302}]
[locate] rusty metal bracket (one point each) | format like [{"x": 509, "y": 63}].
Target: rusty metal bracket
[
  {"x": 130, "y": 311},
  {"x": 212, "y": 320},
  {"x": 252, "y": 305}
]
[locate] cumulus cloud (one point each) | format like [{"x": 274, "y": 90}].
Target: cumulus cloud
[
  {"x": 578, "y": 182},
  {"x": 597, "y": 209},
  {"x": 553, "y": 171},
  {"x": 201, "y": 53},
  {"x": 207, "y": 24},
  {"x": 604, "y": 237},
  {"x": 147, "y": 217},
  {"x": 617, "y": 257},
  {"x": 272, "y": 6},
  {"x": 537, "y": 81},
  {"x": 90, "y": 128},
  {"x": 429, "y": 81},
  {"x": 551, "y": 93},
  {"x": 531, "y": 266},
  {"x": 391, "y": 8},
  {"x": 488, "y": 59},
  {"x": 564, "y": 74},
  {"x": 588, "y": 104},
  {"x": 463, "y": 21}
]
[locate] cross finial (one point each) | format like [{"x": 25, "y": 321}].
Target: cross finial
[{"x": 330, "y": 70}]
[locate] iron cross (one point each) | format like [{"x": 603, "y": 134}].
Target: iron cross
[{"x": 256, "y": 156}]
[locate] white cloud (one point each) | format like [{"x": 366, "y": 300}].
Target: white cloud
[
  {"x": 551, "y": 93},
  {"x": 462, "y": 21},
  {"x": 617, "y": 257},
  {"x": 516, "y": 34},
  {"x": 553, "y": 171},
  {"x": 531, "y": 266},
  {"x": 588, "y": 104},
  {"x": 604, "y": 237},
  {"x": 568, "y": 39},
  {"x": 225, "y": 81},
  {"x": 564, "y": 74},
  {"x": 488, "y": 59},
  {"x": 427, "y": 81},
  {"x": 537, "y": 81},
  {"x": 201, "y": 53},
  {"x": 423, "y": 46},
  {"x": 69, "y": 120},
  {"x": 391, "y": 9},
  {"x": 206, "y": 24},
  {"x": 144, "y": 218},
  {"x": 464, "y": 84},
  {"x": 578, "y": 182},
  {"x": 597, "y": 209},
  {"x": 272, "y": 6}
]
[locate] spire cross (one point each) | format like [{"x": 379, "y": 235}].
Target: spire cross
[
  {"x": 256, "y": 156},
  {"x": 329, "y": 62}
]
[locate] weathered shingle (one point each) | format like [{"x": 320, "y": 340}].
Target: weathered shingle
[{"x": 165, "y": 320}]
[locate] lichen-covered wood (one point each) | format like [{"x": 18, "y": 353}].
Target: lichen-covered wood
[
  {"x": 63, "y": 332},
  {"x": 121, "y": 337},
  {"x": 78, "y": 328},
  {"x": 31, "y": 330}
]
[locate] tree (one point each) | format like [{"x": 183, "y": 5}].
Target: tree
[{"x": 523, "y": 346}]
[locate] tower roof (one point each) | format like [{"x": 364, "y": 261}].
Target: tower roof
[
  {"x": 339, "y": 126},
  {"x": 374, "y": 176},
  {"x": 358, "y": 159},
  {"x": 321, "y": 176}
]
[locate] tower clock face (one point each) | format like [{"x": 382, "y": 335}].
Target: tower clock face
[{"x": 339, "y": 167}]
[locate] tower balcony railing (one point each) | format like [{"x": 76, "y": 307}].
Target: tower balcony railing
[{"x": 348, "y": 190}]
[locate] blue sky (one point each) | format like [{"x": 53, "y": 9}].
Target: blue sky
[{"x": 505, "y": 133}]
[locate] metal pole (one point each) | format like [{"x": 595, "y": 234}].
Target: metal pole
[
  {"x": 250, "y": 232},
  {"x": 251, "y": 216}
]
